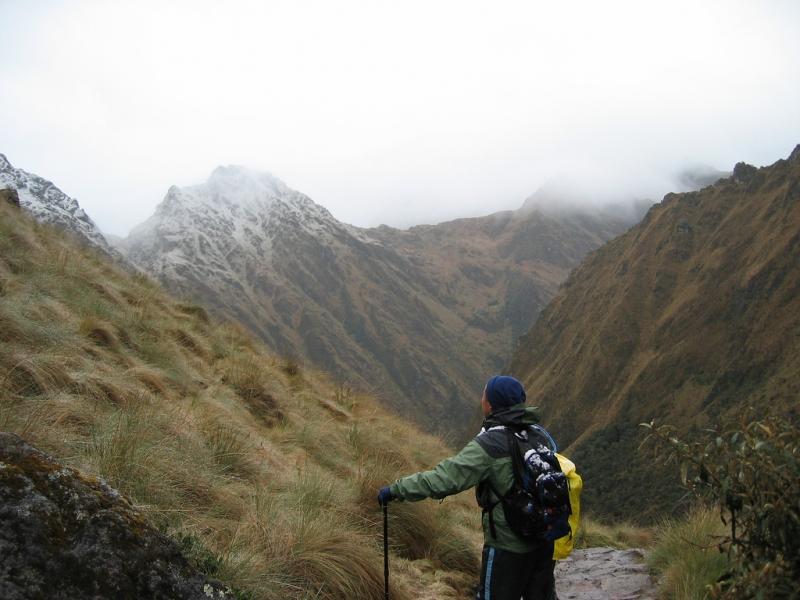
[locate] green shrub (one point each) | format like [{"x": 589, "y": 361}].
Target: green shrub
[{"x": 751, "y": 469}]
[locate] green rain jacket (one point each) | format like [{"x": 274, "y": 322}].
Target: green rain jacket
[{"x": 484, "y": 462}]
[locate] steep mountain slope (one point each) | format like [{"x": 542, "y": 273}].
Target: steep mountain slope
[
  {"x": 420, "y": 316},
  {"x": 497, "y": 272},
  {"x": 264, "y": 474},
  {"x": 48, "y": 204},
  {"x": 688, "y": 317}
]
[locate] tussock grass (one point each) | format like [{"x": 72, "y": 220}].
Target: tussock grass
[
  {"x": 230, "y": 450},
  {"x": 265, "y": 472},
  {"x": 246, "y": 374},
  {"x": 106, "y": 389},
  {"x": 593, "y": 533},
  {"x": 99, "y": 332},
  {"x": 18, "y": 323},
  {"x": 194, "y": 310},
  {"x": 119, "y": 450},
  {"x": 33, "y": 374},
  {"x": 191, "y": 343},
  {"x": 451, "y": 549},
  {"x": 686, "y": 554},
  {"x": 154, "y": 380}
]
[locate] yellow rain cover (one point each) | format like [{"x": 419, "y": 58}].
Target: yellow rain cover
[{"x": 563, "y": 545}]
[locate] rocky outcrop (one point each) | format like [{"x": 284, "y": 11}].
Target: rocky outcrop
[
  {"x": 64, "y": 535},
  {"x": 10, "y": 195},
  {"x": 744, "y": 172}
]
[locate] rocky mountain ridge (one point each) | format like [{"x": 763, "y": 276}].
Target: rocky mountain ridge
[{"x": 48, "y": 204}]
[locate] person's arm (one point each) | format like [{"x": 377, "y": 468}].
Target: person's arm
[{"x": 463, "y": 471}]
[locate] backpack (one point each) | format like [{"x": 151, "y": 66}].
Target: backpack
[{"x": 539, "y": 505}]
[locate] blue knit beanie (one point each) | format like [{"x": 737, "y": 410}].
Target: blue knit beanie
[{"x": 503, "y": 391}]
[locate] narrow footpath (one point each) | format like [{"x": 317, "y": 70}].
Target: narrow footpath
[{"x": 605, "y": 574}]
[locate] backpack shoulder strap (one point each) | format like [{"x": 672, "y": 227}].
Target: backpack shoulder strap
[
  {"x": 493, "y": 441},
  {"x": 512, "y": 448},
  {"x": 517, "y": 456},
  {"x": 489, "y": 508}
]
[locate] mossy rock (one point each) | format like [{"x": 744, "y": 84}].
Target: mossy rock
[{"x": 65, "y": 535}]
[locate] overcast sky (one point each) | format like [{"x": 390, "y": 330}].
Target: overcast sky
[{"x": 395, "y": 112}]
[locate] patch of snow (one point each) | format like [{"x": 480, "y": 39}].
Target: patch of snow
[{"x": 48, "y": 204}]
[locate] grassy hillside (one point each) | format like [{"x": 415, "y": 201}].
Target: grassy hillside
[
  {"x": 688, "y": 317},
  {"x": 266, "y": 473}
]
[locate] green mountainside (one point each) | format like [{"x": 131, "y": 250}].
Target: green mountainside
[{"x": 687, "y": 318}]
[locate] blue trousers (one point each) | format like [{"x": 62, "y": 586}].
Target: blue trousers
[{"x": 511, "y": 576}]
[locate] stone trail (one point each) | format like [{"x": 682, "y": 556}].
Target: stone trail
[{"x": 605, "y": 574}]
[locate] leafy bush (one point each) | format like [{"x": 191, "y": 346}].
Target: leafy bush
[
  {"x": 649, "y": 490},
  {"x": 751, "y": 469}
]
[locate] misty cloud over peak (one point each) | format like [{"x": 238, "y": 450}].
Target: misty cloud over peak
[
  {"x": 240, "y": 179},
  {"x": 627, "y": 194},
  {"x": 699, "y": 176},
  {"x": 596, "y": 188}
]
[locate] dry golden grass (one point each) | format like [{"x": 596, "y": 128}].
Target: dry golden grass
[
  {"x": 686, "y": 554},
  {"x": 593, "y": 533},
  {"x": 265, "y": 473}
]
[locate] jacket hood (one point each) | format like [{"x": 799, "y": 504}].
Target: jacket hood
[{"x": 518, "y": 415}]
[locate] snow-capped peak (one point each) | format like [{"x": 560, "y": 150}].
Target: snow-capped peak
[
  {"x": 49, "y": 204},
  {"x": 237, "y": 211},
  {"x": 235, "y": 187}
]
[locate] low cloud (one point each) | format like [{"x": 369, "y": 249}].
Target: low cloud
[{"x": 400, "y": 113}]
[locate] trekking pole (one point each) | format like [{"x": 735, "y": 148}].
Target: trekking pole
[{"x": 386, "y": 550}]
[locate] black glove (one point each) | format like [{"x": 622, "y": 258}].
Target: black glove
[{"x": 384, "y": 496}]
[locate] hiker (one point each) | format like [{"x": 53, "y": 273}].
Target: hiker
[{"x": 511, "y": 568}]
